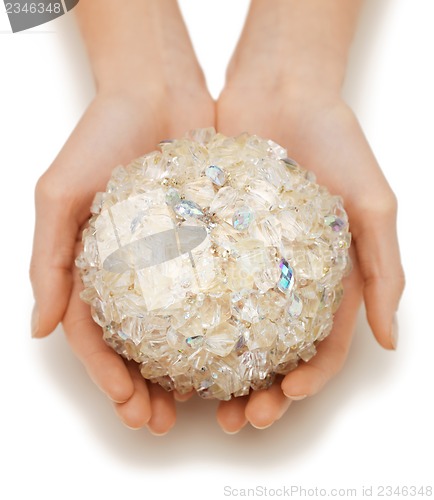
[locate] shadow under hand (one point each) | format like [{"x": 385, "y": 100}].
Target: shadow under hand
[
  {"x": 367, "y": 39},
  {"x": 295, "y": 435}
]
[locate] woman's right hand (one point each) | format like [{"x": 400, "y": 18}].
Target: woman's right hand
[{"x": 130, "y": 114}]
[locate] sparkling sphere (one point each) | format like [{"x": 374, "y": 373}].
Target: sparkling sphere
[{"x": 216, "y": 263}]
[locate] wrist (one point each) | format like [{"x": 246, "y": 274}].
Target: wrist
[
  {"x": 319, "y": 74},
  {"x": 142, "y": 47},
  {"x": 165, "y": 71},
  {"x": 287, "y": 41},
  {"x": 157, "y": 91}
]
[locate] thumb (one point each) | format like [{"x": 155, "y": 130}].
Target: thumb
[{"x": 53, "y": 254}]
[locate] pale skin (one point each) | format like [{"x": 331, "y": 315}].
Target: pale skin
[{"x": 284, "y": 82}]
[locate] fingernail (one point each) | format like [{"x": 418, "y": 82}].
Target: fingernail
[
  {"x": 230, "y": 433},
  {"x": 394, "y": 334},
  {"x": 35, "y": 321},
  {"x": 157, "y": 433},
  {"x": 296, "y": 398},
  {"x": 261, "y": 428}
]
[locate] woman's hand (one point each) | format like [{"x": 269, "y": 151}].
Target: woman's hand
[
  {"x": 298, "y": 105},
  {"x": 138, "y": 103}
]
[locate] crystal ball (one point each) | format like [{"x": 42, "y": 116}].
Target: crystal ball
[{"x": 215, "y": 262}]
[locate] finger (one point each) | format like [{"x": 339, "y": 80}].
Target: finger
[
  {"x": 105, "y": 367},
  {"x": 53, "y": 254},
  {"x": 136, "y": 412},
  {"x": 380, "y": 263},
  {"x": 309, "y": 378},
  {"x": 266, "y": 406},
  {"x": 231, "y": 414},
  {"x": 163, "y": 410}
]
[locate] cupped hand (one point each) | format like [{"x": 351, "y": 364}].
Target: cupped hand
[
  {"x": 321, "y": 132},
  {"x": 116, "y": 128}
]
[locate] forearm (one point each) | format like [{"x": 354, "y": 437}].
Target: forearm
[
  {"x": 135, "y": 41},
  {"x": 307, "y": 41}
]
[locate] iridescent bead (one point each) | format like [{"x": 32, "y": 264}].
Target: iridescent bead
[
  {"x": 195, "y": 341},
  {"x": 286, "y": 279},
  {"x": 242, "y": 218},
  {"x": 216, "y": 174},
  {"x": 334, "y": 222},
  {"x": 172, "y": 197},
  {"x": 187, "y": 208}
]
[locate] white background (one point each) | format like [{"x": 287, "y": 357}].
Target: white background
[{"x": 373, "y": 425}]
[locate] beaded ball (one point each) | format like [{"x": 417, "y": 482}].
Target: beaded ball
[{"x": 215, "y": 263}]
